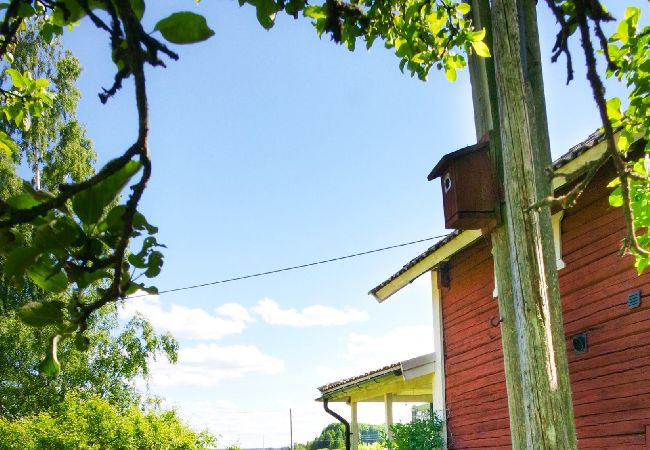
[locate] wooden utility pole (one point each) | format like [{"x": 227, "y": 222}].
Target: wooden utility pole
[
  {"x": 486, "y": 120},
  {"x": 291, "y": 428},
  {"x": 509, "y": 100}
]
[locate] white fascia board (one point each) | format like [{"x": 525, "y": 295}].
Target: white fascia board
[{"x": 419, "y": 366}]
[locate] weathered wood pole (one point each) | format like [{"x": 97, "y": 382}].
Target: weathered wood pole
[
  {"x": 547, "y": 418},
  {"x": 486, "y": 119}
]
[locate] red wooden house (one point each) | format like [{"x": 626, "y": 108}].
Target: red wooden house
[{"x": 606, "y": 319}]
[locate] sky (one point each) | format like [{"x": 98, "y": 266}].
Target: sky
[{"x": 277, "y": 148}]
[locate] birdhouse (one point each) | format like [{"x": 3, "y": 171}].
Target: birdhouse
[{"x": 468, "y": 187}]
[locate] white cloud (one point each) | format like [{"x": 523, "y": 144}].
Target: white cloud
[
  {"x": 234, "y": 311},
  {"x": 208, "y": 364},
  {"x": 364, "y": 353},
  {"x": 185, "y": 322},
  {"x": 310, "y": 316}
]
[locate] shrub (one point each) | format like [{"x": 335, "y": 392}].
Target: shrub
[
  {"x": 424, "y": 432},
  {"x": 95, "y": 424}
]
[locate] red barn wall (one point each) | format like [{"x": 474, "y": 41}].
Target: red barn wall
[{"x": 610, "y": 382}]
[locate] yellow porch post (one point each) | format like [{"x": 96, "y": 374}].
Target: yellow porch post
[
  {"x": 354, "y": 426},
  {"x": 388, "y": 409}
]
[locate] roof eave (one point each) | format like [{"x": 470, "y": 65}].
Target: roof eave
[
  {"x": 567, "y": 165},
  {"x": 456, "y": 244}
]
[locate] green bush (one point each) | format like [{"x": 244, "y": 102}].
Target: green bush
[
  {"x": 95, "y": 424},
  {"x": 424, "y": 432}
]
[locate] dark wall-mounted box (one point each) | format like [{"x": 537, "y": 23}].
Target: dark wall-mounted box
[{"x": 468, "y": 187}]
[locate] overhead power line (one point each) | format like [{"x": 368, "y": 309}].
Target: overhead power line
[{"x": 300, "y": 266}]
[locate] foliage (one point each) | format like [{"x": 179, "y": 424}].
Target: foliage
[
  {"x": 423, "y": 432},
  {"x": 373, "y": 446},
  {"x": 116, "y": 354},
  {"x": 81, "y": 236},
  {"x": 80, "y": 231},
  {"x": 629, "y": 52},
  {"x": 94, "y": 423},
  {"x": 55, "y": 138},
  {"x": 333, "y": 436},
  {"x": 106, "y": 370},
  {"x": 626, "y": 54}
]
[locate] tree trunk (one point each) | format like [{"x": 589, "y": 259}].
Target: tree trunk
[{"x": 543, "y": 367}]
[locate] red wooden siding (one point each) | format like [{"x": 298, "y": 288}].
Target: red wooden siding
[{"x": 610, "y": 382}]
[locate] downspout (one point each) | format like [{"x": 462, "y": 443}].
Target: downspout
[{"x": 345, "y": 423}]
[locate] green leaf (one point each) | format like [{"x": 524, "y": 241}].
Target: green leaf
[
  {"x": 59, "y": 233},
  {"x": 450, "y": 73},
  {"x": 184, "y": 28},
  {"x": 463, "y": 8},
  {"x": 476, "y": 36},
  {"x": 114, "y": 219},
  {"x": 154, "y": 263},
  {"x": 481, "y": 49},
  {"x": 632, "y": 15},
  {"x": 137, "y": 260},
  {"x": 47, "y": 276},
  {"x": 616, "y": 198},
  {"x": 641, "y": 264},
  {"x": 50, "y": 366},
  {"x": 17, "y": 262},
  {"x": 84, "y": 279},
  {"x": 7, "y": 145},
  {"x": 293, "y": 7},
  {"x": 622, "y": 32},
  {"x": 614, "y": 108},
  {"x": 436, "y": 21},
  {"x": 40, "y": 314},
  {"x": 25, "y": 10},
  {"x": 265, "y": 12},
  {"x": 140, "y": 223},
  {"x": 23, "y": 201},
  {"x": 89, "y": 204},
  {"x": 138, "y": 8},
  {"x": 315, "y": 12},
  {"x": 17, "y": 78},
  {"x": 67, "y": 12}
]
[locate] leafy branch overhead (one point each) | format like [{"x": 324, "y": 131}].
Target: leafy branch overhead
[
  {"x": 78, "y": 247},
  {"x": 626, "y": 55}
]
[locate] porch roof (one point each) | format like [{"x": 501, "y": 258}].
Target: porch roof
[{"x": 407, "y": 381}]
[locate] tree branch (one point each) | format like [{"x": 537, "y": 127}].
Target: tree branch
[{"x": 598, "y": 90}]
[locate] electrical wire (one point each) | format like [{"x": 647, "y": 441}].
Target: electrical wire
[{"x": 300, "y": 266}]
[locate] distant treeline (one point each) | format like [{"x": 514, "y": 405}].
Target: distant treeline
[{"x": 333, "y": 436}]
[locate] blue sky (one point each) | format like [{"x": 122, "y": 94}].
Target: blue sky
[{"x": 277, "y": 148}]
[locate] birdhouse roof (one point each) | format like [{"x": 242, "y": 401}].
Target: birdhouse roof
[{"x": 453, "y": 156}]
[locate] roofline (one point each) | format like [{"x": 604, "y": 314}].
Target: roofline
[
  {"x": 409, "y": 366},
  {"x": 411, "y": 273},
  {"x": 571, "y": 163},
  {"x": 394, "y": 370}
]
